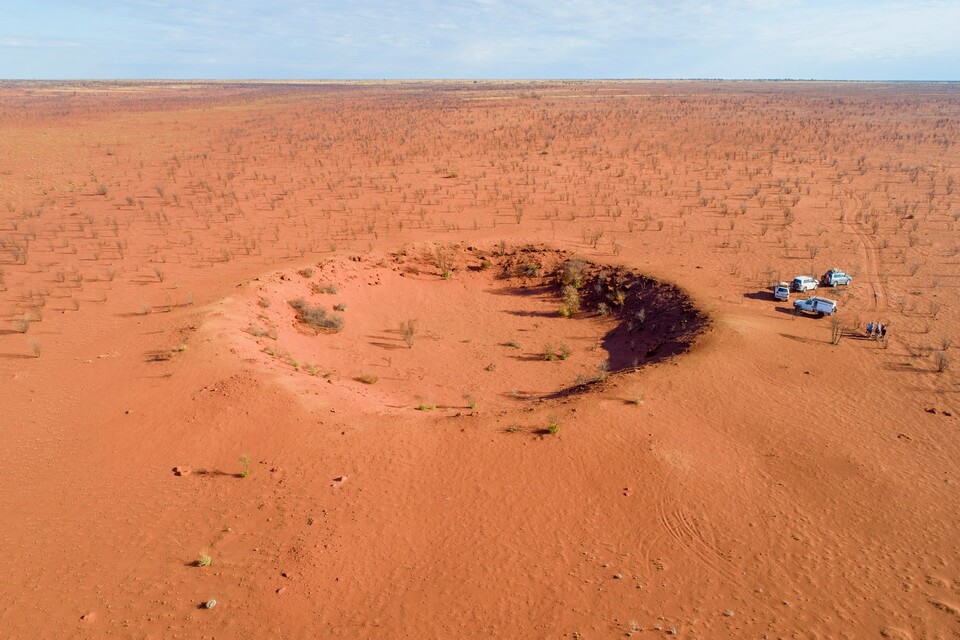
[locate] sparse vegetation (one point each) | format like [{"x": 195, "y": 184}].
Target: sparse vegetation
[
  {"x": 244, "y": 466},
  {"x": 554, "y": 426},
  {"x": 941, "y": 361},
  {"x": 408, "y": 331},
  {"x": 204, "y": 559},
  {"x": 22, "y": 324},
  {"x": 836, "y": 329},
  {"x": 324, "y": 287},
  {"x": 316, "y": 317},
  {"x": 424, "y": 406},
  {"x": 367, "y": 378}
]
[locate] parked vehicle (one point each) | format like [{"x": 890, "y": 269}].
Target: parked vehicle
[
  {"x": 782, "y": 291},
  {"x": 803, "y": 283},
  {"x": 819, "y": 306},
  {"x": 835, "y": 277}
]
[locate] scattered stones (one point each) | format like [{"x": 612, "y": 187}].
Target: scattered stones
[
  {"x": 728, "y": 613},
  {"x": 339, "y": 480},
  {"x": 182, "y": 471},
  {"x": 618, "y": 576},
  {"x": 89, "y": 617},
  {"x": 210, "y": 604}
]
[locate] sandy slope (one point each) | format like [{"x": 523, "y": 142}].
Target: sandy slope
[{"x": 769, "y": 485}]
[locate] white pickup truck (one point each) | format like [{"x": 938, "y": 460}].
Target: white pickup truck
[{"x": 819, "y": 306}]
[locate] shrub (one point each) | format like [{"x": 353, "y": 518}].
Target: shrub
[
  {"x": 548, "y": 353},
  {"x": 423, "y": 406},
  {"x": 408, "y": 329},
  {"x": 528, "y": 270},
  {"x": 22, "y": 324},
  {"x": 941, "y": 361},
  {"x": 35, "y": 347},
  {"x": 367, "y": 378},
  {"x": 603, "y": 371},
  {"x": 564, "y": 351},
  {"x": 836, "y": 330},
  {"x": 571, "y": 301},
  {"x": 256, "y": 330},
  {"x": 554, "y": 427},
  {"x": 340, "y": 307},
  {"x": 306, "y": 273},
  {"x": 316, "y": 317},
  {"x": 204, "y": 559},
  {"x": 571, "y": 273},
  {"x": 324, "y": 287},
  {"x": 443, "y": 259},
  {"x": 244, "y": 466}
]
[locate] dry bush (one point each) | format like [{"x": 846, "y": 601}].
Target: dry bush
[
  {"x": 836, "y": 330},
  {"x": 324, "y": 287},
  {"x": 571, "y": 301},
  {"x": 941, "y": 361},
  {"x": 408, "y": 330},
  {"x": 316, "y": 317}
]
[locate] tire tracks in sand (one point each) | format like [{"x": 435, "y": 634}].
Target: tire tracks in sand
[{"x": 869, "y": 255}]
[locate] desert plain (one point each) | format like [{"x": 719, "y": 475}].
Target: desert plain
[{"x": 548, "y": 394}]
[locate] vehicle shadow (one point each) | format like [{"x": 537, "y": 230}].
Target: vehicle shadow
[
  {"x": 759, "y": 295},
  {"x": 792, "y": 312}
]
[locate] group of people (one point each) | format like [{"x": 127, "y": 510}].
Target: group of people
[{"x": 876, "y": 331}]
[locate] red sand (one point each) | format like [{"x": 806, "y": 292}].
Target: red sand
[{"x": 768, "y": 484}]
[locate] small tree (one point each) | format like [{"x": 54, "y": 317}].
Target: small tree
[{"x": 836, "y": 330}]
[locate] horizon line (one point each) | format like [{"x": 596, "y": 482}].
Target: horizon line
[{"x": 477, "y": 80}]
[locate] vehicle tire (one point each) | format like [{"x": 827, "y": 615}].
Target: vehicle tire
[{"x": 819, "y": 314}]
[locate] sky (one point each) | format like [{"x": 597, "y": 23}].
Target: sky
[{"x": 383, "y": 39}]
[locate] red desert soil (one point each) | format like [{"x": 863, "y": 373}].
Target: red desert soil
[{"x": 761, "y": 483}]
